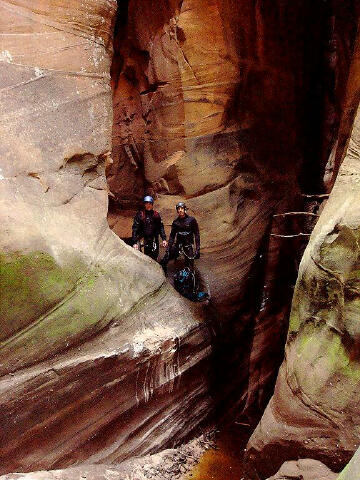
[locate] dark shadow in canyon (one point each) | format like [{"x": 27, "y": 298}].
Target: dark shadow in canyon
[{"x": 331, "y": 30}]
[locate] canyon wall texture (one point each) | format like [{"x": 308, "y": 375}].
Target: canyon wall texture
[
  {"x": 207, "y": 99},
  {"x": 100, "y": 359},
  {"x": 234, "y": 107},
  {"x": 93, "y": 340},
  {"x": 314, "y": 411},
  {"x": 352, "y": 470}
]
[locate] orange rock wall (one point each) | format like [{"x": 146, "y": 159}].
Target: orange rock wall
[
  {"x": 210, "y": 106},
  {"x": 314, "y": 410}
]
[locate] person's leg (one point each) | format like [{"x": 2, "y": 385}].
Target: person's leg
[
  {"x": 154, "y": 252},
  {"x": 149, "y": 248},
  {"x": 169, "y": 255},
  {"x": 189, "y": 256}
]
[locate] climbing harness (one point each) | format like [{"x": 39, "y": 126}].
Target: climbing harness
[
  {"x": 182, "y": 250},
  {"x": 151, "y": 244},
  {"x": 183, "y": 243}
]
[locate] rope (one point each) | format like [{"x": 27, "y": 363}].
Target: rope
[{"x": 181, "y": 250}]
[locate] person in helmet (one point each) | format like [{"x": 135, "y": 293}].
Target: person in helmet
[
  {"x": 148, "y": 225},
  {"x": 184, "y": 230}
]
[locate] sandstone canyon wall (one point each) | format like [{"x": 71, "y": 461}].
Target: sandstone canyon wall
[
  {"x": 198, "y": 91},
  {"x": 100, "y": 358},
  {"x": 314, "y": 411},
  {"x": 93, "y": 341},
  {"x": 233, "y": 106}
]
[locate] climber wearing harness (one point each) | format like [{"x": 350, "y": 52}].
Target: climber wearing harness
[
  {"x": 183, "y": 231},
  {"x": 148, "y": 225}
]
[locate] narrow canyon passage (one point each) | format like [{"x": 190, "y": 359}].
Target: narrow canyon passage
[
  {"x": 242, "y": 128},
  {"x": 247, "y": 111}
]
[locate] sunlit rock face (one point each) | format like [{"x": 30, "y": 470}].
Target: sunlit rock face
[
  {"x": 93, "y": 341},
  {"x": 197, "y": 103},
  {"x": 314, "y": 411}
]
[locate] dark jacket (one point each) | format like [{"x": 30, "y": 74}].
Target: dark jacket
[
  {"x": 148, "y": 225},
  {"x": 185, "y": 229}
]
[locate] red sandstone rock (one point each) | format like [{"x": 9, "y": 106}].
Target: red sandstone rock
[
  {"x": 170, "y": 464},
  {"x": 209, "y": 108},
  {"x": 197, "y": 110},
  {"x": 213, "y": 119}
]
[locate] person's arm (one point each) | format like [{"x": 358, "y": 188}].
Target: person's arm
[
  {"x": 195, "y": 229},
  {"x": 136, "y": 228},
  {"x": 162, "y": 229}
]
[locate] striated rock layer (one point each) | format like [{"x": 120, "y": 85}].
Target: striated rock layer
[
  {"x": 170, "y": 464},
  {"x": 99, "y": 358},
  {"x": 314, "y": 411},
  {"x": 128, "y": 391}
]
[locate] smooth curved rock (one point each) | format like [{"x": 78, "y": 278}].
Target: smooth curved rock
[
  {"x": 206, "y": 97},
  {"x": 217, "y": 103},
  {"x": 192, "y": 121},
  {"x": 123, "y": 393},
  {"x": 352, "y": 470},
  {"x": 99, "y": 358}
]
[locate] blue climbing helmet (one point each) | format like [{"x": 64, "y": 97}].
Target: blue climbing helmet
[
  {"x": 181, "y": 205},
  {"x": 148, "y": 199}
]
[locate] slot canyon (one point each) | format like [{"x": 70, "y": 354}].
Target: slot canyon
[{"x": 248, "y": 111}]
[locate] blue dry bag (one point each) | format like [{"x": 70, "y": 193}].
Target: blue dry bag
[{"x": 185, "y": 284}]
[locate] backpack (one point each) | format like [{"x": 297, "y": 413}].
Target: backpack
[{"x": 185, "y": 284}]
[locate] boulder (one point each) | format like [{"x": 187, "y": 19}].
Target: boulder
[{"x": 304, "y": 469}]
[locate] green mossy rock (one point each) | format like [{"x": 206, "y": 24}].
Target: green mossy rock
[{"x": 30, "y": 286}]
